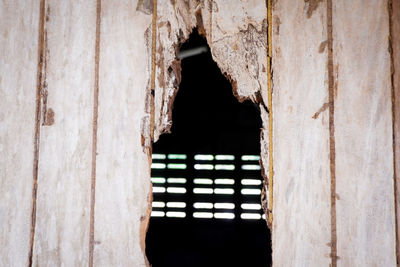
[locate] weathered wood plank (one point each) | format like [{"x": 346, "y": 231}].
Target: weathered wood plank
[
  {"x": 63, "y": 199},
  {"x": 123, "y": 169},
  {"x": 19, "y": 27},
  {"x": 363, "y": 133},
  {"x": 301, "y": 209},
  {"x": 62, "y": 218}
]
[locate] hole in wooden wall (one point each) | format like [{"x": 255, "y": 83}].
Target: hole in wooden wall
[{"x": 206, "y": 174}]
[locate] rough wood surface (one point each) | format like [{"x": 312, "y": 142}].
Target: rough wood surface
[
  {"x": 239, "y": 46},
  {"x": 301, "y": 209},
  {"x": 123, "y": 169},
  {"x": 62, "y": 216},
  {"x": 18, "y": 76},
  {"x": 236, "y": 34},
  {"x": 363, "y": 132}
]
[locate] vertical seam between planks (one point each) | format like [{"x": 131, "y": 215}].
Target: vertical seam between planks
[
  {"x": 270, "y": 121},
  {"x": 37, "y": 127},
  {"x": 94, "y": 133},
  {"x": 394, "y": 141},
  {"x": 332, "y": 151},
  {"x": 153, "y": 68}
]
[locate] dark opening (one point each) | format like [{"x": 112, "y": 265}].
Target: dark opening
[{"x": 206, "y": 175}]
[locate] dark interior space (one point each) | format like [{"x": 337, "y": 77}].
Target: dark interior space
[{"x": 208, "y": 120}]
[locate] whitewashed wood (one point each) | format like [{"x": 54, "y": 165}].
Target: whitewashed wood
[
  {"x": 64, "y": 178},
  {"x": 123, "y": 168},
  {"x": 18, "y": 68},
  {"x": 301, "y": 207},
  {"x": 363, "y": 132}
]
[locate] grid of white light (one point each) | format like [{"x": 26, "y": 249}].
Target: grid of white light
[{"x": 207, "y": 186}]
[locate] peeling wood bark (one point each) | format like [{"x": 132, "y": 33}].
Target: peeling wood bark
[
  {"x": 236, "y": 35},
  {"x": 19, "y": 26},
  {"x": 237, "y": 38},
  {"x": 363, "y": 132},
  {"x": 265, "y": 163},
  {"x": 238, "y": 46}
]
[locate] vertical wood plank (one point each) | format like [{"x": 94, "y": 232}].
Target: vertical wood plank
[
  {"x": 363, "y": 133},
  {"x": 62, "y": 217},
  {"x": 301, "y": 231},
  {"x": 18, "y": 81},
  {"x": 123, "y": 169}
]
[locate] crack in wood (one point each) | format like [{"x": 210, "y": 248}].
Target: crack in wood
[
  {"x": 94, "y": 133},
  {"x": 332, "y": 153},
  {"x": 394, "y": 134}
]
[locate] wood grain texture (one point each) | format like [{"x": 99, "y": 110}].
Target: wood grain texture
[
  {"x": 363, "y": 133},
  {"x": 19, "y": 27},
  {"x": 301, "y": 209},
  {"x": 62, "y": 217},
  {"x": 123, "y": 168}
]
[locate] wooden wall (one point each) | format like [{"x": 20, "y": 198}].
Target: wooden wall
[
  {"x": 333, "y": 154},
  {"x": 76, "y": 111},
  {"x": 82, "y": 66}
]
